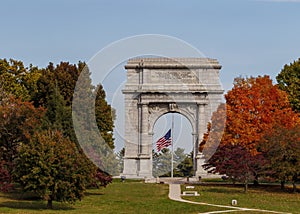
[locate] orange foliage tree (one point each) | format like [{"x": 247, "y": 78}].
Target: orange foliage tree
[
  {"x": 215, "y": 129},
  {"x": 254, "y": 106}
]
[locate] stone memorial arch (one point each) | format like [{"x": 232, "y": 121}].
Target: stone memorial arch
[{"x": 157, "y": 86}]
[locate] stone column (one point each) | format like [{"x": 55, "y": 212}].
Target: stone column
[
  {"x": 131, "y": 137},
  {"x": 145, "y": 141},
  {"x": 195, "y": 139},
  {"x": 201, "y": 130},
  {"x": 151, "y": 155}
]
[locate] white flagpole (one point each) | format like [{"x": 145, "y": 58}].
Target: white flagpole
[{"x": 172, "y": 142}]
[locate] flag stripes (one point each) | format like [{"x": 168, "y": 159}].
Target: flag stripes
[{"x": 164, "y": 142}]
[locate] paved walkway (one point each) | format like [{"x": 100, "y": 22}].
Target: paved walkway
[{"x": 175, "y": 194}]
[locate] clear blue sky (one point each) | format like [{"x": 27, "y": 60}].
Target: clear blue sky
[{"x": 248, "y": 37}]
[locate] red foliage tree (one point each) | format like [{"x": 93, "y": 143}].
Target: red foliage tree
[
  {"x": 237, "y": 163},
  {"x": 18, "y": 120},
  {"x": 5, "y": 178}
]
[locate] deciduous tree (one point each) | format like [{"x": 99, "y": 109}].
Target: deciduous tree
[
  {"x": 12, "y": 76},
  {"x": 5, "y": 177},
  {"x": 254, "y": 106},
  {"x": 162, "y": 163},
  {"x": 236, "y": 162},
  {"x": 289, "y": 80},
  {"x": 281, "y": 147},
  {"x": 52, "y": 166},
  {"x": 215, "y": 129},
  {"x": 62, "y": 77},
  {"x": 186, "y": 167},
  {"x": 19, "y": 120}
]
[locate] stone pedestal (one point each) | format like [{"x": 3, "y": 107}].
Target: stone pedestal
[
  {"x": 130, "y": 168},
  {"x": 199, "y": 162},
  {"x": 145, "y": 169}
]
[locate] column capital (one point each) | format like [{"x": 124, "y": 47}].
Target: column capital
[{"x": 202, "y": 103}]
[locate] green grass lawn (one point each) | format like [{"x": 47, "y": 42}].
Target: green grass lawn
[
  {"x": 118, "y": 197},
  {"x": 138, "y": 197},
  {"x": 266, "y": 197}
]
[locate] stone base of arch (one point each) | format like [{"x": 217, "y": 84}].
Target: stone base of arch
[
  {"x": 138, "y": 167},
  {"x": 141, "y": 167},
  {"x": 200, "y": 172}
]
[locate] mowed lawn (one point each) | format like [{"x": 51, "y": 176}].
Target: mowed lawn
[
  {"x": 118, "y": 197},
  {"x": 266, "y": 197},
  {"x": 138, "y": 197}
]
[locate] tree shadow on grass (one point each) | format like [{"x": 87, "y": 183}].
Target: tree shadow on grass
[
  {"x": 92, "y": 193},
  {"x": 17, "y": 199},
  {"x": 224, "y": 190},
  {"x": 275, "y": 188},
  {"x": 28, "y": 196},
  {"x": 239, "y": 188},
  {"x": 34, "y": 205}
]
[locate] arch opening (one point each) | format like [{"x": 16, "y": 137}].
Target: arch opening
[{"x": 182, "y": 146}]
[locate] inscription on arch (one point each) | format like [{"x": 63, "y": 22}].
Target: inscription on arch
[{"x": 184, "y": 76}]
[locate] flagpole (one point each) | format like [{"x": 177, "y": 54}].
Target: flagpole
[{"x": 172, "y": 142}]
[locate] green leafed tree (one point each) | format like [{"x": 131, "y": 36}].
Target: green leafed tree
[
  {"x": 120, "y": 157},
  {"x": 62, "y": 76},
  {"x": 58, "y": 115},
  {"x": 289, "y": 80},
  {"x": 52, "y": 166},
  {"x": 12, "y": 76},
  {"x": 182, "y": 163},
  {"x": 105, "y": 116},
  {"x": 185, "y": 167},
  {"x": 162, "y": 163},
  {"x": 91, "y": 140},
  {"x": 55, "y": 91}
]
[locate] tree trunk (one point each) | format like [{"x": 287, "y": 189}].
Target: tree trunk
[
  {"x": 49, "y": 204},
  {"x": 246, "y": 187},
  {"x": 255, "y": 182},
  {"x": 282, "y": 183},
  {"x": 294, "y": 187}
]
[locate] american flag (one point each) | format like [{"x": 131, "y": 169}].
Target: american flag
[{"x": 164, "y": 142}]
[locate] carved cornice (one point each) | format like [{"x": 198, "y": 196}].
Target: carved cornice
[{"x": 179, "y": 63}]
